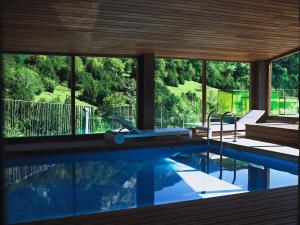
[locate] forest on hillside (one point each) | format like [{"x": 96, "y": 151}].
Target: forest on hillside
[
  {"x": 105, "y": 84},
  {"x": 110, "y": 81}
]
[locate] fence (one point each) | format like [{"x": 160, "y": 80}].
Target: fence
[
  {"x": 284, "y": 102},
  {"x": 172, "y": 118},
  {"x": 28, "y": 118},
  {"x": 127, "y": 112},
  {"x": 236, "y": 101},
  {"x": 86, "y": 120}
]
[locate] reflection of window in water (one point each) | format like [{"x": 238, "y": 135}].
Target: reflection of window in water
[
  {"x": 105, "y": 185},
  {"x": 17, "y": 174}
]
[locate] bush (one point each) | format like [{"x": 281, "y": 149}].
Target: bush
[
  {"x": 181, "y": 79},
  {"x": 171, "y": 79},
  {"x": 24, "y": 84},
  {"x": 49, "y": 84},
  {"x": 115, "y": 99},
  {"x": 64, "y": 73}
]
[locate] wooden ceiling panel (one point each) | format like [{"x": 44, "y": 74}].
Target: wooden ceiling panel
[{"x": 235, "y": 30}]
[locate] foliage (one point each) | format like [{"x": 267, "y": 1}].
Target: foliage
[
  {"x": 23, "y": 83},
  {"x": 49, "y": 85},
  {"x": 285, "y": 74},
  {"x": 106, "y": 83}
]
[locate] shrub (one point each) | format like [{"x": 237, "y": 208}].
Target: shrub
[
  {"x": 49, "y": 84},
  {"x": 24, "y": 84}
]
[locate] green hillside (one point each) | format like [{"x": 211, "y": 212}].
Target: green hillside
[
  {"x": 60, "y": 94},
  {"x": 190, "y": 86}
]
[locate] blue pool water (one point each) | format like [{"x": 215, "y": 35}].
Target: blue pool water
[{"x": 39, "y": 187}]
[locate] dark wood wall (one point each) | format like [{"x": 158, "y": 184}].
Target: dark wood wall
[
  {"x": 260, "y": 86},
  {"x": 145, "y": 92},
  {"x": 2, "y": 213}
]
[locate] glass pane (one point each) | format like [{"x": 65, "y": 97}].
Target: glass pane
[
  {"x": 36, "y": 95},
  {"x": 228, "y": 87},
  {"x": 285, "y": 86},
  {"x": 178, "y": 93},
  {"x": 104, "y": 87}
]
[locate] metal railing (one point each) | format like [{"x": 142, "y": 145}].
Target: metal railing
[
  {"x": 208, "y": 137},
  {"x": 221, "y": 138},
  {"x": 222, "y": 124}
]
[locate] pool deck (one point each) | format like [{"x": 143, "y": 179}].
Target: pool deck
[
  {"x": 257, "y": 146},
  {"x": 269, "y": 207}
]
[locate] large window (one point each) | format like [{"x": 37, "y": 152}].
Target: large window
[
  {"x": 285, "y": 86},
  {"x": 178, "y": 93},
  {"x": 36, "y": 95},
  {"x": 38, "y": 102},
  {"x": 104, "y": 87},
  {"x": 227, "y": 87}
]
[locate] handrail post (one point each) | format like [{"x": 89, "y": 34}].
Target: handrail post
[
  {"x": 208, "y": 143},
  {"x": 222, "y": 123},
  {"x": 221, "y": 139},
  {"x": 208, "y": 123},
  {"x": 234, "y": 171}
]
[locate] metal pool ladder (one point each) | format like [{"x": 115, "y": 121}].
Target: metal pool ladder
[
  {"x": 208, "y": 138},
  {"x": 221, "y": 139},
  {"x": 222, "y": 124}
]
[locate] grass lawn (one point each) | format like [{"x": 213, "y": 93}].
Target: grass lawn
[
  {"x": 191, "y": 86},
  {"x": 60, "y": 94}
]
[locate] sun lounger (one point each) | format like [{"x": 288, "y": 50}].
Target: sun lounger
[
  {"x": 132, "y": 132},
  {"x": 251, "y": 117}
]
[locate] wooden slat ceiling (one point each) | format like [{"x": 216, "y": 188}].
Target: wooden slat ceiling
[{"x": 237, "y": 30}]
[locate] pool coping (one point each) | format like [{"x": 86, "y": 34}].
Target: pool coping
[
  {"x": 65, "y": 147},
  {"x": 264, "y": 150}
]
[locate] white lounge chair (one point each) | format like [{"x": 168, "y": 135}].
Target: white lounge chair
[
  {"x": 251, "y": 117},
  {"x": 132, "y": 132}
]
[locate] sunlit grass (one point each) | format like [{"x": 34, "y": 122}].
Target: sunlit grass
[{"x": 192, "y": 86}]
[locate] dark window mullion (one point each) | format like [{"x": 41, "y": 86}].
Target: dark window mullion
[{"x": 73, "y": 81}]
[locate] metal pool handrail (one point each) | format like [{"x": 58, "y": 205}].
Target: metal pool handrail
[
  {"x": 222, "y": 124},
  {"x": 221, "y": 139},
  {"x": 208, "y": 142},
  {"x": 221, "y": 169},
  {"x": 208, "y": 123}
]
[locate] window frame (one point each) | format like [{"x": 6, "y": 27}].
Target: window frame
[
  {"x": 73, "y": 135},
  {"x": 269, "y": 116}
]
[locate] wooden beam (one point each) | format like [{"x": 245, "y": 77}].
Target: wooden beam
[
  {"x": 254, "y": 85},
  {"x": 204, "y": 64},
  {"x": 268, "y": 88},
  {"x": 2, "y": 213},
  {"x": 145, "y": 92},
  {"x": 259, "y": 86},
  {"x": 73, "y": 108},
  {"x": 91, "y": 54},
  {"x": 285, "y": 54},
  {"x": 2, "y": 207},
  {"x": 283, "y": 119}
]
